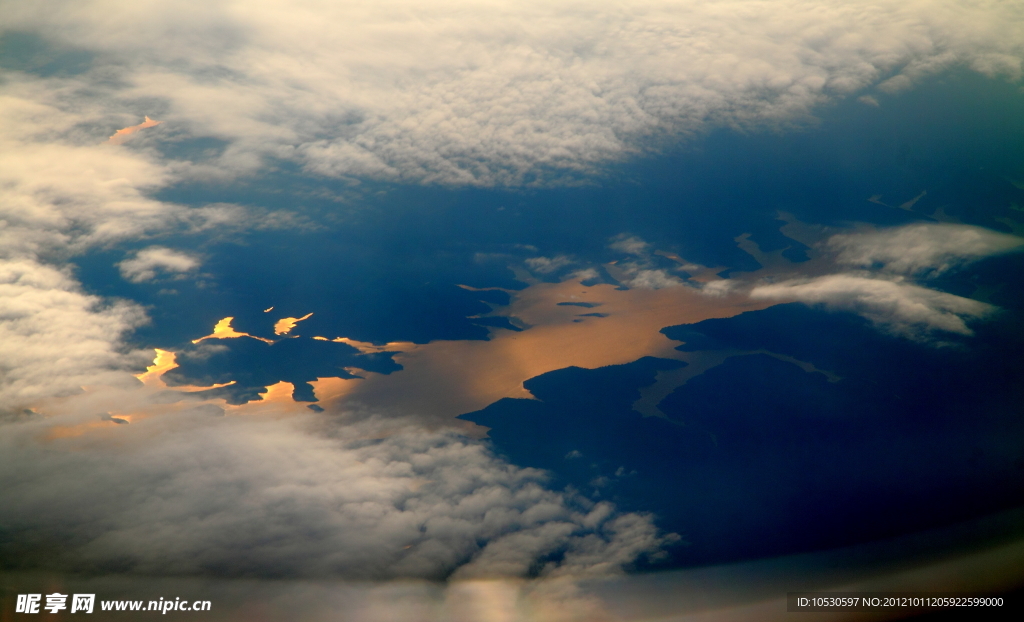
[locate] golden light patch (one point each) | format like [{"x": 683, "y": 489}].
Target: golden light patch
[
  {"x": 278, "y": 392},
  {"x": 369, "y": 348},
  {"x": 442, "y": 379},
  {"x": 223, "y": 330},
  {"x": 333, "y": 389},
  {"x": 120, "y": 136},
  {"x": 286, "y": 324},
  {"x": 164, "y": 362}
]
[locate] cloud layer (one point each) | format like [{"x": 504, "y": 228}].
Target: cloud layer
[
  {"x": 249, "y": 496},
  {"x": 53, "y": 337},
  {"x": 500, "y": 92}
]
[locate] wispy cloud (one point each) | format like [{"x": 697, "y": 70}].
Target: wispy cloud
[
  {"x": 640, "y": 270},
  {"x": 890, "y": 283},
  {"x": 547, "y": 265},
  {"x": 898, "y": 306},
  {"x": 920, "y": 248},
  {"x": 630, "y": 244},
  {"x": 145, "y": 264}
]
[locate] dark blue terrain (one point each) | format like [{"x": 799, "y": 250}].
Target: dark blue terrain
[{"x": 758, "y": 457}]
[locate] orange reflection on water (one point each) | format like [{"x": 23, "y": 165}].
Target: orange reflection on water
[
  {"x": 276, "y": 401},
  {"x": 286, "y": 324},
  {"x": 442, "y": 379},
  {"x": 367, "y": 347},
  {"x": 223, "y": 330},
  {"x": 120, "y": 136},
  {"x": 164, "y": 362}
]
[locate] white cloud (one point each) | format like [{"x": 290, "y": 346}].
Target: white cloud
[
  {"x": 585, "y": 274},
  {"x": 718, "y": 287},
  {"x": 927, "y": 249},
  {"x": 61, "y": 191},
  {"x": 547, "y": 265},
  {"x": 640, "y": 272},
  {"x": 53, "y": 337},
  {"x": 193, "y": 494},
  {"x": 895, "y": 305},
  {"x": 885, "y": 292},
  {"x": 145, "y": 264},
  {"x": 629, "y": 244},
  {"x": 501, "y": 92},
  {"x": 650, "y": 279}
]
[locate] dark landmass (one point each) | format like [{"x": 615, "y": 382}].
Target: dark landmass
[{"x": 760, "y": 458}]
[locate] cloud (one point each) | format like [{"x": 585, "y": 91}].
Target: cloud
[
  {"x": 145, "y": 264},
  {"x": 885, "y": 291},
  {"x": 53, "y": 337},
  {"x": 194, "y": 494},
  {"x": 547, "y": 265},
  {"x": 922, "y": 249},
  {"x": 720, "y": 287},
  {"x": 641, "y": 271},
  {"x": 61, "y": 191},
  {"x": 474, "y": 92},
  {"x": 629, "y": 244},
  {"x": 650, "y": 279},
  {"x": 896, "y": 305},
  {"x": 586, "y": 274}
]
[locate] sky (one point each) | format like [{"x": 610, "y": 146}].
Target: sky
[{"x": 257, "y": 258}]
